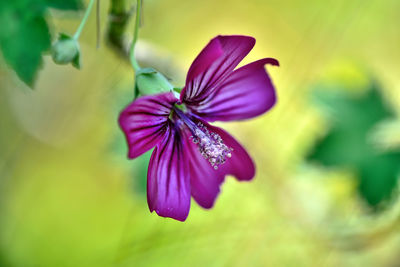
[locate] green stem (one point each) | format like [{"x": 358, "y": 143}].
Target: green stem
[
  {"x": 134, "y": 63},
  {"x": 83, "y": 22}
]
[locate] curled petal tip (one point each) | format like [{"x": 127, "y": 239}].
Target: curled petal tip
[
  {"x": 271, "y": 61},
  {"x": 274, "y": 62},
  {"x": 236, "y": 36}
]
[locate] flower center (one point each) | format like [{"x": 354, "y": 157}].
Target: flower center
[{"x": 210, "y": 144}]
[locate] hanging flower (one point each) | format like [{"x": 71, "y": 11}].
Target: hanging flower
[{"x": 190, "y": 156}]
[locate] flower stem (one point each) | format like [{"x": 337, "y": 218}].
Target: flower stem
[
  {"x": 83, "y": 22},
  {"x": 134, "y": 63}
]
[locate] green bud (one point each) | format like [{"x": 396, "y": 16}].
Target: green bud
[
  {"x": 150, "y": 82},
  {"x": 66, "y": 50}
]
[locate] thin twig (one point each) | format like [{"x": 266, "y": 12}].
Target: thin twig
[{"x": 98, "y": 30}]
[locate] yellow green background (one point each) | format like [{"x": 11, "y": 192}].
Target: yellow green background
[{"x": 70, "y": 197}]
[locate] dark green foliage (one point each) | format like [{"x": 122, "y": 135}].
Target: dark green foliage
[
  {"x": 25, "y": 35},
  {"x": 347, "y": 143},
  {"x": 65, "y": 4}
]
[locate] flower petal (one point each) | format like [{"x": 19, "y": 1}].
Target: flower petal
[
  {"x": 215, "y": 62},
  {"x": 144, "y": 122},
  {"x": 246, "y": 93},
  {"x": 240, "y": 164},
  {"x": 168, "y": 181},
  {"x": 204, "y": 179}
]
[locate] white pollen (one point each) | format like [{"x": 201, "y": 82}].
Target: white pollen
[{"x": 211, "y": 146}]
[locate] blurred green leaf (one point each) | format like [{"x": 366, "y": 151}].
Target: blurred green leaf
[
  {"x": 65, "y": 4},
  {"x": 346, "y": 144},
  {"x": 24, "y": 39},
  {"x": 24, "y": 34}
]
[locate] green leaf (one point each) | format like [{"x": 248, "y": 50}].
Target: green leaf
[
  {"x": 23, "y": 41},
  {"x": 347, "y": 143},
  {"x": 65, "y": 4}
]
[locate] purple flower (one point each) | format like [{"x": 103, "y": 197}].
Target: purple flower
[{"x": 192, "y": 157}]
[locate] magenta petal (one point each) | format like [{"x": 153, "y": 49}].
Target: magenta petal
[
  {"x": 216, "y": 61},
  {"x": 240, "y": 164},
  {"x": 205, "y": 180},
  {"x": 207, "y": 56},
  {"x": 246, "y": 93},
  {"x": 168, "y": 180},
  {"x": 144, "y": 122}
]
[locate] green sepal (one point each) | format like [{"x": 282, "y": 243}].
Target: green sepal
[
  {"x": 178, "y": 89},
  {"x": 63, "y": 36},
  {"x": 76, "y": 62},
  {"x": 149, "y": 82},
  {"x": 136, "y": 92},
  {"x": 146, "y": 71}
]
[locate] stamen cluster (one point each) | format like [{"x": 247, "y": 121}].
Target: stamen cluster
[{"x": 211, "y": 146}]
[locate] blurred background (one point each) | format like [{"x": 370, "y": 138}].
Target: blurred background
[{"x": 327, "y": 155}]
